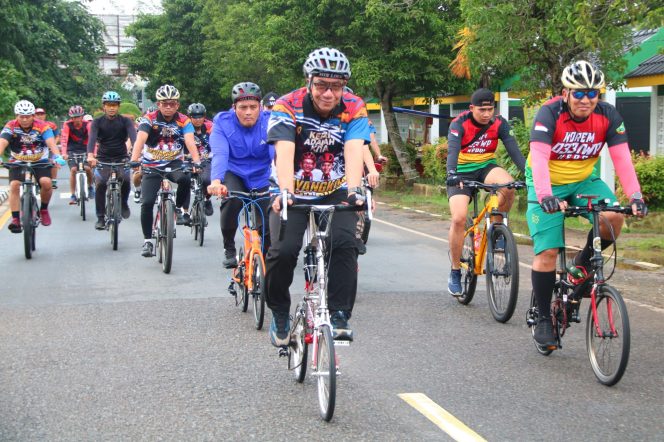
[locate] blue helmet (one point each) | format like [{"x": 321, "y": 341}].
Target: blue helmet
[{"x": 111, "y": 97}]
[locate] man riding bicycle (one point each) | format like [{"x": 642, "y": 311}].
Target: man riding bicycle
[
  {"x": 242, "y": 160},
  {"x": 40, "y": 114},
  {"x": 202, "y": 131},
  {"x": 472, "y": 142},
  {"x": 162, "y": 137},
  {"x": 74, "y": 141},
  {"x": 567, "y": 137},
  {"x": 314, "y": 120},
  {"x": 29, "y": 140},
  {"x": 108, "y": 143}
]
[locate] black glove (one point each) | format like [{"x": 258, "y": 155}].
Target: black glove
[
  {"x": 550, "y": 204},
  {"x": 641, "y": 207},
  {"x": 354, "y": 198},
  {"x": 452, "y": 178}
]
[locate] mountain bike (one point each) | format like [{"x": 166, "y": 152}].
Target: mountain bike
[
  {"x": 489, "y": 247},
  {"x": 30, "y": 215},
  {"x": 113, "y": 213},
  {"x": 248, "y": 278},
  {"x": 198, "y": 218},
  {"x": 607, "y": 322},
  {"x": 81, "y": 181},
  {"x": 366, "y": 216},
  {"x": 311, "y": 320}
]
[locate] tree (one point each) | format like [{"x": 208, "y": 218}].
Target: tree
[{"x": 536, "y": 39}]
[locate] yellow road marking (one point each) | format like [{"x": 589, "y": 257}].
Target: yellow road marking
[
  {"x": 4, "y": 218},
  {"x": 456, "y": 429}
]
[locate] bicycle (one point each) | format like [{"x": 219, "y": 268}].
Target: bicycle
[
  {"x": 311, "y": 324},
  {"x": 113, "y": 213},
  {"x": 249, "y": 275},
  {"x": 198, "y": 218},
  {"x": 30, "y": 215},
  {"x": 366, "y": 216},
  {"x": 490, "y": 249},
  {"x": 607, "y": 323},
  {"x": 163, "y": 226},
  {"x": 81, "y": 181}
]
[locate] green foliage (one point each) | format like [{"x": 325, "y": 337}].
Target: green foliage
[
  {"x": 130, "y": 109},
  {"x": 393, "y": 166},
  {"x": 434, "y": 160},
  {"x": 650, "y": 171},
  {"x": 522, "y": 134}
]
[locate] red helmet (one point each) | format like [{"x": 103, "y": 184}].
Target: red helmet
[
  {"x": 76, "y": 111},
  {"x": 327, "y": 157},
  {"x": 309, "y": 156}
]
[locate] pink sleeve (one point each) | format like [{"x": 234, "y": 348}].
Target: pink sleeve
[
  {"x": 64, "y": 138},
  {"x": 539, "y": 162},
  {"x": 622, "y": 161}
]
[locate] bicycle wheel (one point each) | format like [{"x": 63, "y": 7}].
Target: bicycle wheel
[
  {"x": 608, "y": 350},
  {"x": 502, "y": 273},
  {"x": 531, "y": 318},
  {"x": 242, "y": 299},
  {"x": 157, "y": 234},
  {"x": 201, "y": 223},
  {"x": 26, "y": 220},
  {"x": 168, "y": 232},
  {"x": 326, "y": 372},
  {"x": 366, "y": 226},
  {"x": 82, "y": 193},
  {"x": 258, "y": 283},
  {"x": 115, "y": 218},
  {"x": 297, "y": 357},
  {"x": 468, "y": 276}
]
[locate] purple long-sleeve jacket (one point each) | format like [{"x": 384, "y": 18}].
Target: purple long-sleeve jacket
[{"x": 244, "y": 151}]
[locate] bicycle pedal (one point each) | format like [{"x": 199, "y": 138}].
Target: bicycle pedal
[{"x": 283, "y": 351}]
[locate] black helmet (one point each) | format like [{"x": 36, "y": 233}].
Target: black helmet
[
  {"x": 196, "y": 110},
  {"x": 269, "y": 99}
]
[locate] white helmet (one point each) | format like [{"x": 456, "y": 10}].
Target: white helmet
[
  {"x": 582, "y": 75},
  {"x": 24, "y": 107},
  {"x": 327, "y": 62},
  {"x": 167, "y": 92}
]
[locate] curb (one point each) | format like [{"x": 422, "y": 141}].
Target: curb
[
  {"x": 640, "y": 264},
  {"x": 3, "y": 196}
]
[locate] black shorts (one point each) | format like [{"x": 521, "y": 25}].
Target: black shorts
[
  {"x": 40, "y": 172},
  {"x": 476, "y": 175}
]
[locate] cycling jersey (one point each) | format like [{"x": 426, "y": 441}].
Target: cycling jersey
[
  {"x": 165, "y": 141},
  {"x": 575, "y": 146},
  {"x": 74, "y": 140},
  {"x": 466, "y": 155},
  {"x": 203, "y": 140},
  {"x": 54, "y": 128},
  {"x": 294, "y": 119},
  {"x": 27, "y": 145},
  {"x": 111, "y": 134}
]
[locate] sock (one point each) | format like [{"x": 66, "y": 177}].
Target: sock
[
  {"x": 16, "y": 214},
  {"x": 543, "y": 283},
  {"x": 44, "y": 206}
]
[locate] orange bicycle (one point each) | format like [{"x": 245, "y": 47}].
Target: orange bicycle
[{"x": 248, "y": 279}]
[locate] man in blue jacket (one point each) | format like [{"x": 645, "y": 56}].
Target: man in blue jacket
[{"x": 241, "y": 160}]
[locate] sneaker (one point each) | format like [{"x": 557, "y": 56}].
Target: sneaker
[
  {"x": 454, "y": 283},
  {"x": 230, "y": 261},
  {"x": 45, "y": 217},
  {"x": 208, "y": 208},
  {"x": 91, "y": 192},
  {"x": 137, "y": 196},
  {"x": 125, "y": 211},
  {"x": 183, "y": 218},
  {"x": 280, "y": 329},
  {"x": 15, "y": 226},
  {"x": 100, "y": 224},
  {"x": 54, "y": 184},
  {"x": 340, "y": 329},
  {"x": 147, "y": 250},
  {"x": 544, "y": 332},
  {"x": 361, "y": 247},
  {"x": 72, "y": 200}
]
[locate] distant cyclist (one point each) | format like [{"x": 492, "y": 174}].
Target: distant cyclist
[
  {"x": 162, "y": 138},
  {"x": 74, "y": 141},
  {"x": 568, "y": 134},
  {"x": 202, "y": 131},
  {"x": 241, "y": 161},
  {"x": 108, "y": 143},
  {"x": 472, "y": 142},
  {"x": 29, "y": 140},
  {"x": 269, "y": 100}
]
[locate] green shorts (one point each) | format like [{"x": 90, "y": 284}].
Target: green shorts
[{"x": 546, "y": 229}]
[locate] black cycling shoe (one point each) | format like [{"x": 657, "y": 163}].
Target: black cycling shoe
[
  {"x": 100, "y": 224},
  {"x": 183, "y": 218},
  {"x": 147, "y": 251},
  {"x": 126, "y": 212},
  {"x": 231, "y": 260},
  {"x": 341, "y": 331},
  {"x": 209, "y": 211},
  {"x": 544, "y": 332}
]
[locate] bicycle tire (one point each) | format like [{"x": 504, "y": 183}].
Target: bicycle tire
[
  {"x": 194, "y": 220},
  {"x": 326, "y": 373},
  {"x": 468, "y": 276},
  {"x": 201, "y": 222},
  {"x": 157, "y": 234},
  {"x": 502, "y": 285},
  {"x": 366, "y": 227},
  {"x": 258, "y": 295},
  {"x": 168, "y": 220},
  {"x": 26, "y": 220},
  {"x": 533, "y": 314},
  {"x": 298, "y": 354},
  {"x": 608, "y": 368},
  {"x": 82, "y": 194},
  {"x": 243, "y": 299},
  {"x": 115, "y": 219}
]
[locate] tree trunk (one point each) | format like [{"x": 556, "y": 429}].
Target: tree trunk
[{"x": 397, "y": 143}]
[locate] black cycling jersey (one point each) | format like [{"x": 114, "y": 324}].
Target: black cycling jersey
[{"x": 111, "y": 134}]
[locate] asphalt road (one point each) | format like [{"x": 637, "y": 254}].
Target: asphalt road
[{"x": 98, "y": 344}]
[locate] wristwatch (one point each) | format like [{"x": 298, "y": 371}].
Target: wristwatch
[{"x": 637, "y": 196}]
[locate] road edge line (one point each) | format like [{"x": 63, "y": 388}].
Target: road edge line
[{"x": 4, "y": 218}]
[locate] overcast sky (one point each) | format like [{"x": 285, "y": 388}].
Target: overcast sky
[{"x": 131, "y": 7}]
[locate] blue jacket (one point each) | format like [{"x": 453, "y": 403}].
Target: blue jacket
[{"x": 244, "y": 151}]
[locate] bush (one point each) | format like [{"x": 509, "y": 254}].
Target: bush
[
  {"x": 393, "y": 166},
  {"x": 130, "y": 109},
  {"x": 650, "y": 171},
  {"x": 434, "y": 160},
  {"x": 522, "y": 134}
]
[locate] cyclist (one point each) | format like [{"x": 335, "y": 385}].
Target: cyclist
[
  {"x": 202, "y": 131},
  {"x": 268, "y": 101},
  {"x": 472, "y": 142},
  {"x": 316, "y": 119},
  {"x": 29, "y": 140},
  {"x": 110, "y": 132},
  {"x": 40, "y": 114},
  {"x": 74, "y": 140},
  {"x": 162, "y": 137},
  {"x": 567, "y": 137},
  {"x": 241, "y": 161}
]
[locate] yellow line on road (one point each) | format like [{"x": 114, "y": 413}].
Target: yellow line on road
[
  {"x": 456, "y": 429},
  {"x": 4, "y": 218}
]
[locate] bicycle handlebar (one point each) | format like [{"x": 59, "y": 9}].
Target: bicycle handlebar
[
  {"x": 101, "y": 164},
  {"x": 484, "y": 186},
  {"x": 253, "y": 194}
]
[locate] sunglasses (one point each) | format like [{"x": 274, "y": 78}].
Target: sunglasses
[
  {"x": 592, "y": 93},
  {"x": 169, "y": 103},
  {"x": 322, "y": 86}
]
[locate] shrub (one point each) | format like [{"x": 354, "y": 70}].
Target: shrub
[
  {"x": 434, "y": 160},
  {"x": 522, "y": 134},
  {"x": 393, "y": 166},
  {"x": 650, "y": 171}
]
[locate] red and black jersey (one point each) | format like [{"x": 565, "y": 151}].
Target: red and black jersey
[{"x": 74, "y": 140}]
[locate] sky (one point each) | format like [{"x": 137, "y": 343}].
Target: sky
[{"x": 129, "y": 7}]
